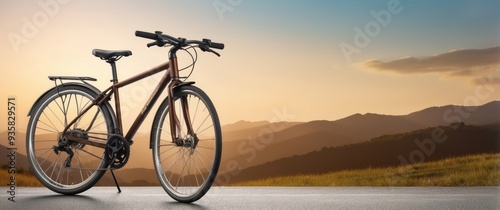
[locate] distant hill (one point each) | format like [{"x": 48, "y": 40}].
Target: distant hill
[
  {"x": 261, "y": 146},
  {"x": 470, "y": 115},
  {"x": 242, "y": 125},
  {"x": 384, "y": 151},
  {"x": 243, "y": 129}
]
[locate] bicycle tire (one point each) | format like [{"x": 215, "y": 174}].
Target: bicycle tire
[
  {"x": 195, "y": 173},
  {"x": 46, "y": 123}
]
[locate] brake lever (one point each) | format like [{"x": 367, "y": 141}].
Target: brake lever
[
  {"x": 156, "y": 43},
  {"x": 204, "y": 48},
  {"x": 216, "y": 53},
  {"x": 152, "y": 44}
]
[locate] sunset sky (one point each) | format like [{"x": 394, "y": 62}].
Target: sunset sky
[{"x": 312, "y": 60}]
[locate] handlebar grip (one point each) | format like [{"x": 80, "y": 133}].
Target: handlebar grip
[
  {"x": 146, "y": 35},
  {"x": 216, "y": 45}
]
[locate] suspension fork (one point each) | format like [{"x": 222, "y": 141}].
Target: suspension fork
[
  {"x": 174, "y": 121},
  {"x": 175, "y": 125},
  {"x": 187, "y": 117}
]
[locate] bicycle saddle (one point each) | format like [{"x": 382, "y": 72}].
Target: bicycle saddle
[{"x": 107, "y": 54}]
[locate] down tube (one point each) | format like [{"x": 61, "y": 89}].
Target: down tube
[{"x": 149, "y": 105}]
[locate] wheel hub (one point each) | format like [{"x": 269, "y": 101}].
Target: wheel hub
[
  {"x": 78, "y": 133},
  {"x": 189, "y": 142}
]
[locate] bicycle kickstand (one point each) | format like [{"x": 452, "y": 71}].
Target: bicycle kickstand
[{"x": 116, "y": 182}]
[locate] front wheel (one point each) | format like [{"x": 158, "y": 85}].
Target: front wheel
[{"x": 187, "y": 170}]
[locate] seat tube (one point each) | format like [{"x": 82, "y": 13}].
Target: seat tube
[
  {"x": 117, "y": 97},
  {"x": 118, "y": 108}
]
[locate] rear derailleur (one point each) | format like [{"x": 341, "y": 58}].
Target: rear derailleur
[{"x": 64, "y": 145}]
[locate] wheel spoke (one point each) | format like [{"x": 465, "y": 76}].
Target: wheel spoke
[
  {"x": 79, "y": 164},
  {"x": 47, "y": 140},
  {"x": 67, "y": 109},
  {"x": 210, "y": 139},
  {"x": 165, "y": 130},
  {"x": 208, "y": 115},
  {"x": 201, "y": 173},
  {"x": 174, "y": 163},
  {"x": 43, "y": 154},
  {"x": 204, "y": 147},
  {"x": 57, "y": 117},
  {"x": 201, "y": 154},
  {"x": 46, "y": 149},
  {"x": 91, "y": 154},
  {"x": 52, "y": 126},
  {"x": 182, "y": 171},
  {"x": 199, "y": 132},
  {"x": 46, "y": 130},
  {"x": 195, "y": 110},
  {"x": 161, "y": 161}
]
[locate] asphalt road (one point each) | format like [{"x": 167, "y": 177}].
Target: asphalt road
[{"x": 262, "y": 198}]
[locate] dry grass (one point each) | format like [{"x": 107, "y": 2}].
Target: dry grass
[
  {"x": 23, "y": 179},
  {"x": 476, "y": 170}
]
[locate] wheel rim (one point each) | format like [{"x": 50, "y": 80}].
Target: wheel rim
[
  {"x": 49, "y": 121},
  {"x": 185, "y": 171}
]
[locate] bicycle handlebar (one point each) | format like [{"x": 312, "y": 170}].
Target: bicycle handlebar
[
  {"x": 146, "y": 35},
  {"x": 217, "y": 45},
  {"x": 162, "y": 39}
]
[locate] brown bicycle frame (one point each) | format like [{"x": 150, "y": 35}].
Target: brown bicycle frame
[{"x": 171, "y": 76}]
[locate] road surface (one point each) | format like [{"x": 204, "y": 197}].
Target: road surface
[{"x": 263, "y": 198}]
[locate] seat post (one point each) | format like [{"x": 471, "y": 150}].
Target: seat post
[{"x": 113, "y": 69}]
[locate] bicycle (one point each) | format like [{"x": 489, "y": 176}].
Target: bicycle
[{"x": 76, "y": 118}]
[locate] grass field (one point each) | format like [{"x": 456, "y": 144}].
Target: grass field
[
  {"x": 475, "y": 170},
  {"x": 22, "y": 178}
]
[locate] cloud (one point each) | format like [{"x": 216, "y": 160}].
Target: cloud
[
  {"x": 472, "y": 63},
  {"x": 486, "y": 80}
]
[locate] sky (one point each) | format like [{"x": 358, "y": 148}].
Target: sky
[{"x": 283, "y": 61}]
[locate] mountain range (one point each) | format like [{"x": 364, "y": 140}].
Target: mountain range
[{"x": 253, "y": 145}]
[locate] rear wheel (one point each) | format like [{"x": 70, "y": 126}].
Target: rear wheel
[
  {"x": 48, "y": 151},
  {"x": 187, "y": 169}
]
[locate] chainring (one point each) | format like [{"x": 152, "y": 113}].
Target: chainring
[{"x": 117, "y": 152}]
